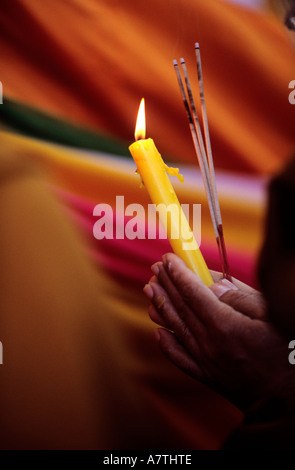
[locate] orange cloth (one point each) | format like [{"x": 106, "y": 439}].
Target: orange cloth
[
  {"x": 81, "y": 369},
  {"x": 91, "y": 62}
]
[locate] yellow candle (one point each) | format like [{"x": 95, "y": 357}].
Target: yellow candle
[{"x": 153, "y": 172}]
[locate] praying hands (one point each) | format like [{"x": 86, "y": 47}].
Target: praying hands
[{"x": 221, "y": 335}]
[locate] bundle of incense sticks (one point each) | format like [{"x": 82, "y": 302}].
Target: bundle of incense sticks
[{"x": 203, "y": 151}]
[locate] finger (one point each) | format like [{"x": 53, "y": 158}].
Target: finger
[
  {"x": 249, "y": 302},
  {"x": 198, "y": 297},
  {"x": 218, "y": 276},
  {"x": 242, "y": 286},
  {"x": 163, "y": 311},
  {"x": 177, "y": 314},
  {"x": 180, "y": 306},
  {"x": 171, "y": 318},
  {"x": 152, "y": 279},
  {"x": 175, "y": 352},
  {"x": 156, "y": 317},
  {"x": 152, "y": 311}
]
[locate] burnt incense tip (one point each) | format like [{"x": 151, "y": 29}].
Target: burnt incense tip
[
  {"x": 174, "y": 62},
  {"x": 182, "y": 61},
  {"x": 197, "y": 45}
]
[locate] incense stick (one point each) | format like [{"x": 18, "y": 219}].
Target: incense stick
[
  {"x": 210, "y": 158},
  {"x": 205, "y": 158},
  {"x": 208, "y": 183},
  {"x": 206, "y": 132},
  {"x": 203, "y": 168},
  {"x": 196, "y": 123}
]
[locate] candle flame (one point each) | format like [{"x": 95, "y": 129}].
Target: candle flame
[{"x": 140, "y": 122}]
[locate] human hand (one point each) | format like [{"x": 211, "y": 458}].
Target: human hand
[{"x": 220, "y": 335}]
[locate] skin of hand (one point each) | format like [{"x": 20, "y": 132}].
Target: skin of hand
[{"x": 220, "y": 335}]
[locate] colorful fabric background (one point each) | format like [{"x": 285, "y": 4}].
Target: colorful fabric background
[{"x": 73, "y": 74}]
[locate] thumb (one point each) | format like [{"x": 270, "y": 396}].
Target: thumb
[{"x": 250, "y": 302}]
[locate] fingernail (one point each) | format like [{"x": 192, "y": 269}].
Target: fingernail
[
  {"x": 160, "y": 301},
  {"x": 221, "y": 287},
  {"x": 167, "y": 264},
  {"x": 148, "y": 291},
  {"x": 155, "y": 269}
]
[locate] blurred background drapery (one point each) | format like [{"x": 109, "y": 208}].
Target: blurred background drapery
[{"x": 73, "y": 74}]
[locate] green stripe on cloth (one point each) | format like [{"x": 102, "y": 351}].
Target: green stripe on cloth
[{"x": 35, "y": 123}]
